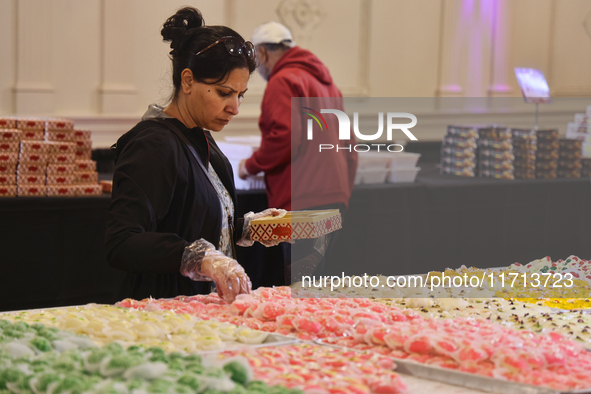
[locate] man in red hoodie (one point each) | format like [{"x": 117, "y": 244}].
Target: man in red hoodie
[{"x": 297, "y": 175}]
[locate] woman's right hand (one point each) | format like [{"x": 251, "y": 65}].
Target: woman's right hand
[{"x": 229, "y": 276}]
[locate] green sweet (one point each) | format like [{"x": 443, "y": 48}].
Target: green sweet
[
  {"x": 65, "y": 365},
  {"x": 214, "y": 372},
  {"x": 190, "y": 381},
  {"x": 278, "y": 390},
  {"x": 193, "y": 358},
  {"x": 256, "y": 385},
  {"x": 9, "y": 375},
  {"x": 237, "y": 390},
  {"x": 176, "y": 365},
  {"x": 156, "y": 350},
  {"x": 44, "y": 380},
  {"x": 23, "y": 383},
  {"x": 159, "y": 386},
  {"x": 256, "y": 391},
  {"x": 21, "y": 326},
  {"x": 39, "y": 365},
  {"x": 68, "y": 383},
  {"x": 114, "y": 348},
  {"x": 96, "y": 355},
  {"x": 49, "y": 333},
  {"x": 238, "y": 372},
  {"x": 159, "y": 357},
  {"x": 195, "y": 367},
  {"x": 41, "y": 343},
  {"x": 4, "y": 324},
  {"x": 10, "y": 333},
  {"x": 124, "y": 361},
  {"x": 182, "y": 389},
  {"x": 135, "y": 384},
  {"x": 176, "y": 356}
]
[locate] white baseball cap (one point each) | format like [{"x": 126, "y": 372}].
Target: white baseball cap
[{"x": 272, "y": 33}]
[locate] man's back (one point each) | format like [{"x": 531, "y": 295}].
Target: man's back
[{"x": 296, "y": 174}]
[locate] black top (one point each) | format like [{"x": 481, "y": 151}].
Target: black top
[{"x": 162, "y": 201}]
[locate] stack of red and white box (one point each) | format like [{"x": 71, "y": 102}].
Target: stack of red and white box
[
  {"x": 32, "y": 128},
  {"x": 46, "y": 157},
  {"x": 9, "y": 148},
  {"x": 71, "y": 173},
  {"x": 31, "y": 171}
]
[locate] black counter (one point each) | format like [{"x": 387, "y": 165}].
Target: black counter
[{"x": 52, "y": 248}]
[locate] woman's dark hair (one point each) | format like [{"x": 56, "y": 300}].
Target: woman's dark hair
[{"x": 187, "y": 34}]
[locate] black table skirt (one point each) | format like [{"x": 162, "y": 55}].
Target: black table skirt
[
  {"x": 446, "y": 221},
  {"x": 52, "y": 248}
]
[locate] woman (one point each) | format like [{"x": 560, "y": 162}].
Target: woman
[{"x": 171, "y": 219}]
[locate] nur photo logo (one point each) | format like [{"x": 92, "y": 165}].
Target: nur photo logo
[{"x": 344, "y": 123}]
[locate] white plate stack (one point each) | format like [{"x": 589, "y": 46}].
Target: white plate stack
[
  {"x": 403, "y": 167},
  {"x": 377, "y": 167}
]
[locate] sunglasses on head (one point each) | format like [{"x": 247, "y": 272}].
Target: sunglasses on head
[{"x": 234, "y": 46}]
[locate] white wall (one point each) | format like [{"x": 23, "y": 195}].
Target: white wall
[{"x": 101, "y": 62}]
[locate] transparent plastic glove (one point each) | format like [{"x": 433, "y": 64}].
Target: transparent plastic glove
[
  {"x": 229, "y": 276},
  {"x": 249, "y": 217},
  {"x": 201, "y": 261}
]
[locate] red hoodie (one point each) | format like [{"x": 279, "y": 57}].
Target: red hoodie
[{"x": 319, "y": 178}]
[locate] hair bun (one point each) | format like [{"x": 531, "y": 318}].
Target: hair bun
[{"x": 176, "y": 26}]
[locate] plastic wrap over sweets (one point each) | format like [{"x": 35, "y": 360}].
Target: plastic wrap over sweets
[{"x": 245, "y": 240}]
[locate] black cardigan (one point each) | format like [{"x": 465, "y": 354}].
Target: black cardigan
[{"x": 162, "y": 201}]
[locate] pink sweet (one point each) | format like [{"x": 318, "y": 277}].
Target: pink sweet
[{"x": 475, "y": 346}]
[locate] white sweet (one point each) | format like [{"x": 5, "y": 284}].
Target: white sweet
[
  {"x": 147, "y": 371},
  {"x": 61, "y": 345},
  {"x": 16, "y": 349}
]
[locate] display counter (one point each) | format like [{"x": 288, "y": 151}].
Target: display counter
[{"x": 52, "y": 248}]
